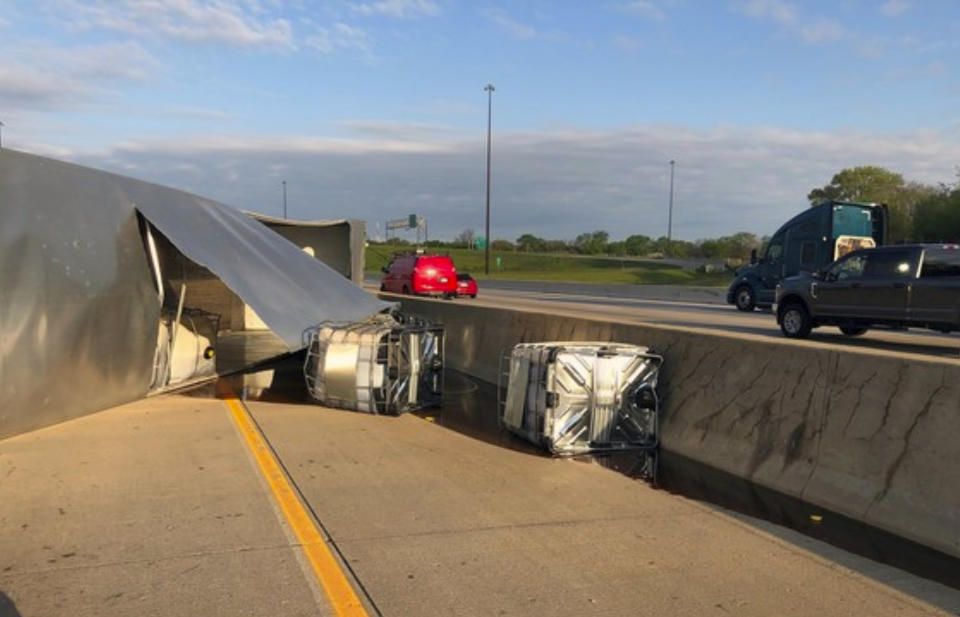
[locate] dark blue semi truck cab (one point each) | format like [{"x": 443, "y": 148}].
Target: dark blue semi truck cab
[{"x": 806, "y": 243}]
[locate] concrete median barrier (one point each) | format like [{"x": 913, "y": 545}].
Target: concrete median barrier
[{"x": 870, "y": 435}]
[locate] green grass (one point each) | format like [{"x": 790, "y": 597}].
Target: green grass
[{"x": 568, "y": 268}]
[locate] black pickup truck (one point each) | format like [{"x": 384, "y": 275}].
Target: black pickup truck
[{"x": 906, "y": 286}]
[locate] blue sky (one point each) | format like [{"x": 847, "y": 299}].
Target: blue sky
[{"x": 375, "y": 108}]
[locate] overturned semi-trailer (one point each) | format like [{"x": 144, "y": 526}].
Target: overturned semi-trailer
[{"x": 111, "y": 287}]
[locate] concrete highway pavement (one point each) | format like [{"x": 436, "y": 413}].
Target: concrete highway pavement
[
  {"x": 674, "y": 293},
  {"x": 613, "y": 302},
  {"x": 670, "y": 293},
  {"x": 149, "y": 508},
  {"x": 160, "y": 508}
]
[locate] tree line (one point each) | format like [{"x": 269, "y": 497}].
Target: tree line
[
  {"x": 917, "y": 213},
  {"x": 736, "y": 246}
]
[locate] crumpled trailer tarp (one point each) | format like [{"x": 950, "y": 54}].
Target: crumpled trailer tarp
[{"x": 79, "y": 311}]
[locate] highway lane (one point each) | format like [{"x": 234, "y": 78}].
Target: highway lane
[
  {"x": 705, "y": 315},
  {"x": 171, "y": 506}
]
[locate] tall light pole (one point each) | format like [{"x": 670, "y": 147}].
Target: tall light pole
[
  {"x": 486, "y": 258},
  {"x": 1, "y": 134},
  {"x": 670, "y": 210},
  {"x": 284, "y": 199}
]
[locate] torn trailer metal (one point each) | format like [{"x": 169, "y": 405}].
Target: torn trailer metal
[
  {"x": 339, "y": 243},
  {"x": 82, "y": 305}
]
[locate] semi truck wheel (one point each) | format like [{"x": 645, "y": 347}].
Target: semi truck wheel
[
  {"x": 744, "y": 299},
  {"x": 795, "y": 320}
]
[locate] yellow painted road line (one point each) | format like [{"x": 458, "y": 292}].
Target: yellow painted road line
[{"x": 339, "y": 592}]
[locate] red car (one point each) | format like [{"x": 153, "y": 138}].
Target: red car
[
  {"x": 428, "y": 275},
  {"x": 466, "y": 285}
]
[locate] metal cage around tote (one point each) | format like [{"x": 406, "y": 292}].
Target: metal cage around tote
[
  {"x": 577, "y": 398},
  {"x": 385, "y": 365}
]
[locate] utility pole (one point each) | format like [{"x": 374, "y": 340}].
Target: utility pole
[
  {"x": 670, "y": 211},
  {"x": 284, "y": 199},
  {"x": 486, "y": 258},
  {"x": 1, "y": 134}
]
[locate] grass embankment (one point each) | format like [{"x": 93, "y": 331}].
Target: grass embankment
[{"x": 560, "y": 267}]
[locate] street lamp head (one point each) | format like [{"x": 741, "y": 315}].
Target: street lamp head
[
  {"x": 672, "y": 162},
  {"x": 489, "y": 88}
]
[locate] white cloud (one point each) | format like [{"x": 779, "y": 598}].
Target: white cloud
[
  {"x": 646, "y": 8},
  {"x": 340, "y": 36},
  {"x": 398, "y": 8},
  {"x": 288, "y": 145},
  {"x": 728, "y": 178},
  {"x": 200, "y": 113},
  {"x": 936, "y": 68},
  {"x": 819, "y": 30},
  {"x": 872, "y": 47},
  {"x": 779, "y": 11},
  {"x": 446, "y": 108},
  {"x": 503, "y": 19},
  {"x": 626, "y": 43},
  {"x": 214, "y": 21},
  {"x": 822, "y": 31},
  {"x": 893, "y": 8},
  {"x": 397, "y": 130},
  {"x": 41, "y": 76}
]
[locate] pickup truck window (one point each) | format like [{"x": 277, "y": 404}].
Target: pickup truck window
[
  {"x": 889, "y": 263},
  {"x": 851, "y": 267},
  {"x": 941, "y": 262}
]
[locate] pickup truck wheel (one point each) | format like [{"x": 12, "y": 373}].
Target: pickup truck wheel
[
  {"x": 852, "y": 330},
  {"x": 795, "y": 321},
  {"x": 744, "y": 299}
]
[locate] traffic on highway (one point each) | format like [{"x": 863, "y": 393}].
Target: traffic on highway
[
  {"x": 830, "y": 265},
  {"x": 422, "y": 274},
  {"x": 908, "y": 286},
  {"x": 711, "y": 316}
]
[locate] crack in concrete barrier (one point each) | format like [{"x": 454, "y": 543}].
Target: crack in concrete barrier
[{"x": 895, "y": 467}]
